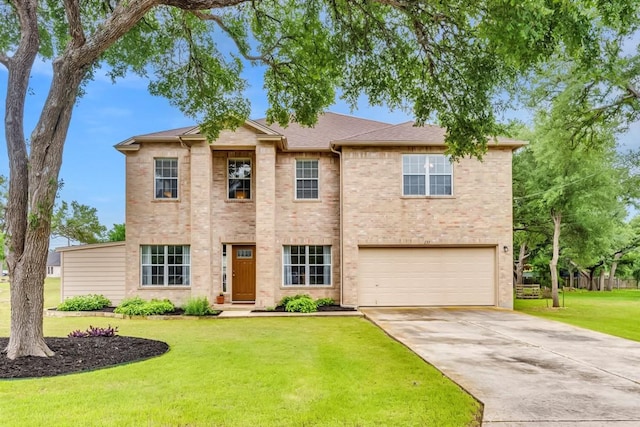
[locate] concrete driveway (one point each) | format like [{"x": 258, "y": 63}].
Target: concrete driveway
[{"x": 527, "y": 371}]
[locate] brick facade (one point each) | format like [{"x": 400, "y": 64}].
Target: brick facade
[{"x": 374, "y": 212}]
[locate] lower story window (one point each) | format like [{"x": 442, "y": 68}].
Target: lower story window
[
  {"x": 165, "y": 265},
  {"x": 306, "y": 265}
]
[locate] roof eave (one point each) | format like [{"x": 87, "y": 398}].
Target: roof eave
[
  {"x": 127, "y": 148},
  {"x": 363, "y": 143},
  {"x": 341, "y": 143}
]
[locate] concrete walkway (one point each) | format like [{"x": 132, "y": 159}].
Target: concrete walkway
[{"x": 527, "y": 371}]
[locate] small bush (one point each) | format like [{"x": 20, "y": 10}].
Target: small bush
[
  {"x": 324, "y": 301},
  {"x": 303, "y": 304},
  {"x": 94, "y": 332},
  {"x": 284, "y": 301},
  {"x": 198, "y": 307},
  {"x": 136, "y": 306},
  {"x": 84, "y": 303}
]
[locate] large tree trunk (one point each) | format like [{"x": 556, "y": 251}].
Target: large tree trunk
[
  {"x": 612, "y": 272},
  {"x": 553, "y": 265},
  {"x": 45, "y": 159},
  {"x": 27, "y": 242},
  {"x": 601, "y": 279},
  {"x": 522, "y": 255},
  {"x": 33, "y": 179}
]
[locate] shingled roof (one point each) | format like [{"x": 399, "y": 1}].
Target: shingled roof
[
  {"x": 410, "y": 133},
  {"x": 332, "y": 129}
]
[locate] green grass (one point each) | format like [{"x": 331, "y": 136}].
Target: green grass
[
  {"x": 615, "y": 313},
  {"x": 242, "y": 372}
]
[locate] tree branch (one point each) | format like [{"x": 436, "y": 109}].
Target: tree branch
[
  {"x": 633, "y": 91},
  {"x": 72, "y": 10},
  {"x": 192, "y": 5},
  {"x": 126, "y": 15},
  {"x": 266, "y": 58}
]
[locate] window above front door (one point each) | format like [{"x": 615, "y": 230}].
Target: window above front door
[{"x": 239, "y": 178}]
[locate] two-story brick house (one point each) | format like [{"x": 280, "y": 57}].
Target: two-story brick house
[{"x": 361, "y": 211}]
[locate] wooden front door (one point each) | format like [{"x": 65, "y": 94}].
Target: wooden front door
[{"x": 244, "y": 274}]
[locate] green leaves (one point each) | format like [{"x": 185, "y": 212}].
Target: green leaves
[
  {"x": 445, "y": 61},
  {"x": 117, "y": 233},
  {"x": 81, "y": 224}
]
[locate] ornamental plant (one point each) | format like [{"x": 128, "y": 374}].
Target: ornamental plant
[
  {"x": 84, "y": 303},
  {"x": 324, "y": 301},
  {"x": 198, "y": 307},
  {"x": 93, "y": 331},
  {"x": 136, "y": 306},
  {"x": 301, "y": 304},
  {"x": 285, "y": 300}
]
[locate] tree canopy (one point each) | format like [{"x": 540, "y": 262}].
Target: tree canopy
[
  {"x": 80, "y": 224},
  {"x": 117, "y": 233},
  {"x": 445, "y": 61},
  {"x": 571, "y": 194}
]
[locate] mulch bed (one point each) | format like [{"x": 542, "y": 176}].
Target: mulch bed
[
  {"x": 176, "y": 312},
  {"x": 80, "y": 354},
  {"x": 280, "y": 309}
]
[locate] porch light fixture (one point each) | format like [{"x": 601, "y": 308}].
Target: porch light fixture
[{"x": 505, "y": 248}]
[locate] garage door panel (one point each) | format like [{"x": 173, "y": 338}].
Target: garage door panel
[{"x": 426, "y": 276}]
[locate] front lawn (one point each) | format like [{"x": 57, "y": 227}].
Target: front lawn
[
  {"x": 243, "y": 372},
  {"x": 615, "y": 313}
]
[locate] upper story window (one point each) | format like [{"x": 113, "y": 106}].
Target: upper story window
[
  {"x": 239, "y": 178},
  {"x": 306, "y": 179},
  {"x": 166, "y": 182},
  {"x": 426, "y": 175}
]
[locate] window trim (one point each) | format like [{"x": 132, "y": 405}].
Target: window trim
[
  {"x": 166, "y": 266},
  {"x": 235, "y": 199},
  {"x": 307, "y": 266},
  {"x": 155, "y": 179},
  {"x": 295, "y": 179},
  {"x": 427, "y": 176}
]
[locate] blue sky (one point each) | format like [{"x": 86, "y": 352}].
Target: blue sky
[{"x": 93, "y": 171}]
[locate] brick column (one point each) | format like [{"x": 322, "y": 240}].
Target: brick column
[
  {"x": 201, "y": 181},
  {"x": 265, "y": 193}
]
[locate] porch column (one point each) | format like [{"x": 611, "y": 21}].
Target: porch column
[
  {"x": 201, "y": 181},
  {"x": 265, "y": 192}
]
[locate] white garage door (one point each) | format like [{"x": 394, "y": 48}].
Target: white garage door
[{"x": 426, "y": 276}]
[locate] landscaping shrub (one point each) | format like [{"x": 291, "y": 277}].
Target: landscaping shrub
[
  {"x": 198, "y": 307},
  {"x": 136, "y": 306},
  {"x": 285, "y": 300},
  {"x": 84, "y": 303},
  {"x": 94, "y": 332},
  {"x": 301, "y": 304},
  {"x": 324, "y": 301}
]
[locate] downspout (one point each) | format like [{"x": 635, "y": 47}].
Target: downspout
[{"x": 333, "y": 150}]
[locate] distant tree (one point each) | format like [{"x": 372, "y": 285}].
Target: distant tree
[
  {"x": 531, "y": 228},
  {"x": 575, "y": 187},
  {"x": 117, "y": 233},
  {"x": 81, "y": 224}
]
